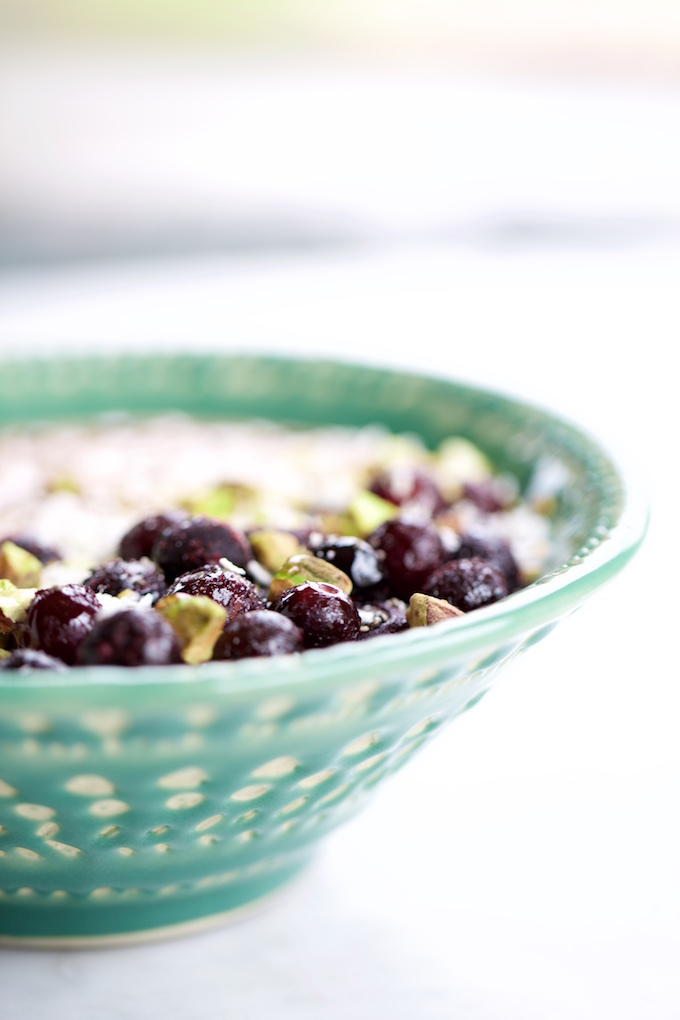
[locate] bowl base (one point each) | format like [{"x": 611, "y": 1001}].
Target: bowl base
[{"x": 81, "y": 923}]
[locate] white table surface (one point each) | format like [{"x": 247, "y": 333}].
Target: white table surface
[{"x": 524, "y": 866}]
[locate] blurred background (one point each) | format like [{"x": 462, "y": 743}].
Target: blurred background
[
  {"x": 154, "y": 128},
  {"x": 488, "y": 190}
]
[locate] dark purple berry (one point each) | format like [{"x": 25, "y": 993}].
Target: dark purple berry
[
  {"x": 495, "y": 550},
  {"x": 467, "y": 584},
  {"x": 30, "y": 658},
  {"x": 353, "y": 556},
  {"x": 409, "y": 487},
  {"x": 139, "y": 540},
  {"x": 58, "y": 619},
  {"x": 198, "y": 542},
  {"x": 490, "y": 495},
  {"x": 387, "y": 617},
  {"x": 132, "y": 637},
  {"x": 44, "y": 553},
  {"x": 232, "y": 591},
  {"x": 410, "y": 550},
  {"x": 325, "y": 614},
  {"x": 112, "y": 578},
  {"x": 261, "y": 632}
]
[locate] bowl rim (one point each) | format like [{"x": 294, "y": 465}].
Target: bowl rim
[{"x": 524, "y": 612}]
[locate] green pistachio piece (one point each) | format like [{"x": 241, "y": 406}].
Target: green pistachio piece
[
  {"x": 544, "y": 504},
  {"x": 335, "y": 524},
  {"x": 369, "y": 511},
  {"x": 222, "y": 501},
  {"x": 404, "y": 448},
  {"x": 459, "y": 461},
  {"x": 19, "y": 566},
  {"x": 426, "y": 610},
  {"x": 197, "y": 621},
  {"x": 63, "y": 483},
  {"x": 14, "y": 601},
  {"x": 4, "y": 654},
  {"x": 272, "y": 548},
  {"x": 306, "y": 567}
]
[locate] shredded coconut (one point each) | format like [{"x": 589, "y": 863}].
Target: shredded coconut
[{"x": 80, "y": 487}]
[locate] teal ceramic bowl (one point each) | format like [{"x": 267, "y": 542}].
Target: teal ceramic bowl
[{"x": 138, "y": 802}]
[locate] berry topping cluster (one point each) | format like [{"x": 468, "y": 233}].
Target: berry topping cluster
[{"x": 190, "y": 587}]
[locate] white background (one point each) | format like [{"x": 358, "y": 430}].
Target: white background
[{"x": 522, "y": 235}]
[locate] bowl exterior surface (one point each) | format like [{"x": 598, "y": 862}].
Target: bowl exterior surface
[
  {"x": 134, "y": 803},
  {"x": 113, "y": 821}
]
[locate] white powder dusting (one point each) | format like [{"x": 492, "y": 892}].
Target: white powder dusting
[{"x": 80, "y": 487}]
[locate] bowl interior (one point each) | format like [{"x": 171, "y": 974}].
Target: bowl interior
[{"x": 516, "y": 436}]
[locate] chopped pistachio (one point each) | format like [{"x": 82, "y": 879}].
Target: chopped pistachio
[
  {"x": 13, "y": 604},
  {"x": 531, "y": 572},
  {"x": 404, "y": 448},
  {"x": 335, "y": 523},
  {"x": 459, "y": 461},
  {"x": 19, "y": 566},
  {"x": 272, "y": 548},
  {"x": 14, "y": 601},
  {"x": 306, "y": 567},
  {"x": 63, "y": 483},
  {"x": 426, "y": 610},
  {"x": 222, "y": 501},
  {"x": 4, "y": 654},
  {"x": 196, "y": 620},
  {"x": 544, "y": 504},
  {"x": 369, "y": 511}
]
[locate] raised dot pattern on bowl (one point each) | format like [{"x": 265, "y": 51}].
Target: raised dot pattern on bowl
[{"x": 221, "y": 792}]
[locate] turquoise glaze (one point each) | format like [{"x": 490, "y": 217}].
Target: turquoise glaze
[{"x": 134, "y": 800}]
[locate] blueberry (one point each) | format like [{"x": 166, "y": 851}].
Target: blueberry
[
  {"x": 260, "y": 632},
  {"x": 409, "y": 487},
  {"x": 198, "y": 542},
  {"x": 325, "y": 614},
  {"x": 388, "y": 617},
  {"x": 233, "y": 591},
  {"x": 118, "y": 575},
  {"x": 467, "y": 583},
  {"x": 132, "y": 637},
  {"x": 495, "y": 550},
  {"x": 410, "y": 552},
  {"x": 139, "y": 540},
  {"x": 490, "y": 495},
  {"x": 58, "y": 619},
  {"x": 353, "y": 556}
]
